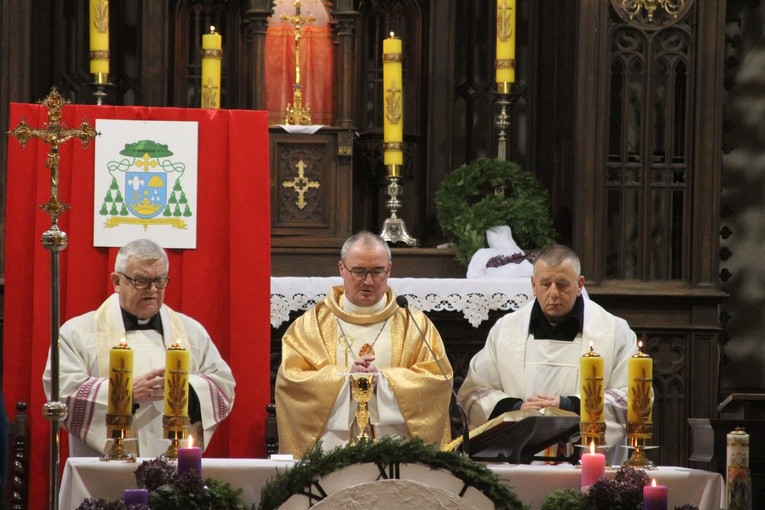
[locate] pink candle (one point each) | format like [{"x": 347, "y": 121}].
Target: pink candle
[
  {"x": 655, "y": 496},
  {"x": 136, "y": 497},
  {"x": 189, "y": 457},
  {"x": 593, "y": 467}
]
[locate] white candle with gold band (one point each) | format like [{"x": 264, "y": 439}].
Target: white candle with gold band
[
  {"x": 212, "y": 54},
  {"x": 99, "y": 39},
  {"x": 505, "y": 64},
  {"x": 177, "y": 364},
  {"x": 393, "y": 102},
  {"x": 120, "y": 399}
]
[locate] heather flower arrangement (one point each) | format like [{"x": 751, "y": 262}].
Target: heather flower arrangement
[
  {"x": 169, "y": 491},
  {"x": 623, "y": 492}
]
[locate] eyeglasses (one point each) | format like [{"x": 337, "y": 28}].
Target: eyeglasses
[
  {"x": 359, "y": 273},
  {"x": 145, "y": 283}
]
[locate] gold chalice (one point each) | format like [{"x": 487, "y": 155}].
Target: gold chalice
[{"x": 362, "y": 389}]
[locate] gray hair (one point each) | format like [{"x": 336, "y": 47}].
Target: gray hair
[
  {"x": 557, "y": 254},
  {"x": 367, "y": 239},
  {"x": 142, "y": 249}
]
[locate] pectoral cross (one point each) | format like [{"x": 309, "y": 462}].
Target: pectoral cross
[{"x": 55, "y": 134}]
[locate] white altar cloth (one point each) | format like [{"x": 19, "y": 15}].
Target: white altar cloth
[
  {"x": 87, "y": 477},
  {"x": 474, "y": 297}
]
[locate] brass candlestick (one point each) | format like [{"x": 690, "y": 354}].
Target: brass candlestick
[
  {"x": 504, "y": 120},
  {"x": 639, "y": 412},
  {"x": 362, "y": 390},
  {"x": 176, "y": 430},
  {"x": 118, "y": 429}
]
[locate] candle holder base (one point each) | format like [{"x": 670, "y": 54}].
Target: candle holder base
[
  {"x": 117, "y": 451},
  {"x": 638, "y": 437},
  {"x": 394, "y": 229},
  {"x": 101, "y": 87},
  {"x": 176, "y": 429}
]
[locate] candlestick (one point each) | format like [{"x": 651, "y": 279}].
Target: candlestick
[
  {"x": 655, "y": 497},
  {"x": 175, "y": 421},
  {"x": 739, "y": 481},
  {"x": 119, "y": 411},
  {"x": 593, "y": 467},
  {"x": 639, "y": 407},
  {"x": 135, "y": 497},
  {"x": 394, "y": 229},
  {"x": 189, "y": 458},
  {"x": 591, "y": 398},
  {"x": 99, "y": 40},
  {"x": 212, "y": 54},
  {"x": 505, "y": 63},
  {"x": 393, "y": 94}
]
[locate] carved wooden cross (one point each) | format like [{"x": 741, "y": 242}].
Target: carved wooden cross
[
  {"x": 54, "y": 135},
  {"x": 301, "y": 184}
]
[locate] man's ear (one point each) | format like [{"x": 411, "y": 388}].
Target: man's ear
[{"x": 115, "y": 280}]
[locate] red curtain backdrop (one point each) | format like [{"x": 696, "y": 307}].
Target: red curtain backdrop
[
  {"x": 223, "y": 283},
  {"x": 316, "y": 71}
]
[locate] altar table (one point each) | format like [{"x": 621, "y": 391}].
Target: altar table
[
  {"x": 474, "y": 297},
  {"x": 86, "y": 477}
]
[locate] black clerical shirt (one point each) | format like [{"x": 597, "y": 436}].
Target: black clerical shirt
[{"x": 542, "y": 329}]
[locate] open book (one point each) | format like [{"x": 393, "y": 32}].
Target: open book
[{"x": 516, "y": 436}]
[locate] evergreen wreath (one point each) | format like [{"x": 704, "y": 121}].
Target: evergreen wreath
[
  {"x": 467, "y": 205},
  {"x": 317, "y": 464}
]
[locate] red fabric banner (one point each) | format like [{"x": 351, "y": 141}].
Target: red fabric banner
[{"x": 223, "y": 283}]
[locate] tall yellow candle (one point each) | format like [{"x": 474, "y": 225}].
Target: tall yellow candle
[
  {"x": 99, "y": 39},
  {"x": 177, "y": 364},
  {"x": 120, "y": 380},
  {"x": 505, "y": 63},
  {"x": 212, "y": 53},
  {"x": 640, "y": 388},
  {"x": 592, "y": 391},
  {"x": 393, "y": 103}
]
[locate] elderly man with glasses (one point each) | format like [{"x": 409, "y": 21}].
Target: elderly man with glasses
[
  {"x": 359, "y": 328},
  {"x": 136, "y": 314}
]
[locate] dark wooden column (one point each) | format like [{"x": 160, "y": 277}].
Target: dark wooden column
[
  {"x": 155, "y": 67},
  {"x": 255, "y": 24},
  {"x": 345, "y": 62}
]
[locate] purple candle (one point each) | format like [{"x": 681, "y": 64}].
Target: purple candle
[
  {"x": 136, "y": 497},
  {"x": 655, "y": 496},
  {"x": 189, "y": 458}
]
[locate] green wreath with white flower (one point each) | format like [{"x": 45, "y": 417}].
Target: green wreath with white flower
[{"x": 490, "y": 192}]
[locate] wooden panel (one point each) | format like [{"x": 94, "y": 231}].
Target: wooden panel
[{"x": 311, "y": 188}]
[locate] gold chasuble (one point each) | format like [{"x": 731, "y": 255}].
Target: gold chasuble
[{"x": 310, "y": 377}]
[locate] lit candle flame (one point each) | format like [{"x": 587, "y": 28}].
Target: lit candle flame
[
  {"x": 212, "y": 29},
  {"x": 191, "y": 442},
  {"x": 592, "y": 447},
  {"x": 653, "y": 482},
  {"x": 392, "y": 35}
]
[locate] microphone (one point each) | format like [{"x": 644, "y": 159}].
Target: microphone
[{"x": 402, "y": 302}]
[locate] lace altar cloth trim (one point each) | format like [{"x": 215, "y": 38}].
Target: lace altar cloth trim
[{"x": 474, "y": 298}]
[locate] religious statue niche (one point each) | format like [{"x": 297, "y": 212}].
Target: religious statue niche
[{"x": 299, "y": 30}]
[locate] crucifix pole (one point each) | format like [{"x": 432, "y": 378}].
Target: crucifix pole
[{"x": 55, "y": 241}]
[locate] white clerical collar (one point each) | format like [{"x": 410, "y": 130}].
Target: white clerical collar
[{"x": 364, "y": 310}]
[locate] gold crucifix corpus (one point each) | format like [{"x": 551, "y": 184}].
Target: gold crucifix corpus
[
  {"x": 54, "y": 135},
  {"x": 297, "y": 114},
  {"x": 301, "y": 184}
]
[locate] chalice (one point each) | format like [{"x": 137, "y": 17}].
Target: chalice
[{"x": 362, "y": 390}]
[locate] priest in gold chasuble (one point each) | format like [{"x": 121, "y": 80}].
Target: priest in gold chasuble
[{"x": 359, "y": 328}]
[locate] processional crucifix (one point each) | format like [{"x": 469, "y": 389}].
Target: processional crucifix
[{"x": 55, "y": 241}]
